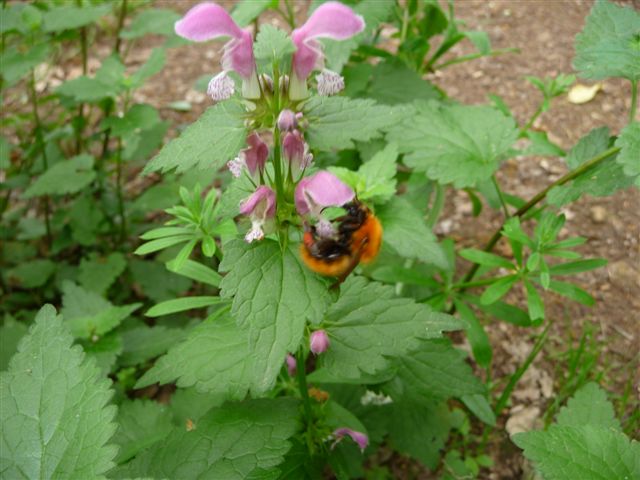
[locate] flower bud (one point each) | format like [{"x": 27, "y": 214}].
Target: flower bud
[
  {"x": 291, "y": 365},
  {"x": 360, "y": 438},
  {"x": 329, "y": 83},
  {"x": 287, "y": 120},
  {"x": 256, "y": 154},
  {"x": 319, "y": 342}
]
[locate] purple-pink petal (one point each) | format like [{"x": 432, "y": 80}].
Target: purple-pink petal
[
  {"x": 251, "y": 204},
  {"x": 256, "y": 154},
  {"x": 292, "y": 366},
  {"x": 321, "y": 190},
  {"x": 205, "y": 22},
  {"x": 319, "y": 342},
  {"x": 330, "y": 20},
  {"x": 238, "y": 55},
  {"x": 360, "y": 438}
]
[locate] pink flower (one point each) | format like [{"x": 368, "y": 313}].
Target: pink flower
[
  {"x": 207, "y": 21},
  {"x": 296, "y": 152},
  {"x": 261, "y": 209},
  {"x": 360, "y": 438},
  {"x": 292, "y": 366},
  {"x": 330, "y": 20},
  {"x": 287, "y": 120},
  {"x": 253, "y": 157},
  {"x": 319, "y": 342},
  {"x": 321, "y": 190}
]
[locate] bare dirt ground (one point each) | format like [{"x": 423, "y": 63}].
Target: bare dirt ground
[{"x": 544, "y": 31}]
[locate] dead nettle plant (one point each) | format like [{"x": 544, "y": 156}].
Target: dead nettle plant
[{"x": 327, "y": 295}]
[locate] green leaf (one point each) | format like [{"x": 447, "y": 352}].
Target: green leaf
[
  {"x": 534, "y": 302},
  {"x": 419, "y": 430},
  {"x": 272, "y": 44},
  {"x": 162, "y": 243},
  {"x": 16, "y": 64},
  {"x": 406, "y": 232},
  {"x": 53, "y": 407},
  {"x": 579, "y": 266},
  {"x": 214, "y": 358},
  {"x": 393, "y": 83},
  {"x": 10, "y": 334},
  {"x": 66, "y": 176},
  {"x": 541, "y": 145},
  {"x": 5, "y": 153},
  {"x": 603, "y": 179},
  {"x": 498, "y": 289},
  {"x": 141, "y": 424},
  {"x": 434, "y": 370},
  {"x": 479, "y": 406},
  {"x": 88, "y": 314},
  {"x": 144, "y": 343},
  {"x": 581, "y": 452},
  {"x": 32, "y": 274},
  {"x": 485, "y": 258},
  {"x": 501, "y": 310},
  {"x": 246, "y": 11},
  {"x": 378, "y": 175},
  {"x": 457, "y": 144},
  {"x": 216, "y": 137},
  {"x": 151, "y": 67},
  {"x": 68, "y": 17},
  {"x": 589, "y": 406},
  {"x": 98, "y": 273},
  {"x": 273, "y": 297},
  {"x": 157, "y": 282},
  {"x": 105, "y": 351},
  {"x": 196, "y": 271},
  {"x": 609, "y": 44},
  {"x": 368, "y": 326},
  {"x": 139, "y": 117},
  {"x": 181, "y": 304},
  {"x": 159, "y": 21},
  {"x": 480, "y": 40},
  {"x": 571, "y": 291},
  {"x": 629, "y": 142},
  {"x": 477, "y": 336},
  {"x": 235, "y": 441},
  {"x": 335, "y": 122},
  {"x": 108, "y": 82}
]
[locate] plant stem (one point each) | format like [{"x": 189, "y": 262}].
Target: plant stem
[
  {"x": 123, "y": 224},
  {"x": 43, "y": 150},
  {"x": 473, "y": 56},
  {"x": 517, "y": 375},
  {"x": 537, "y": 199},
  {"x": 121, "y": 17},
  {"x": 290, "y": 17},
  {"x": 533, "y": 118},
  {"x": 505, "y": 208},
  {"x": 301, "y": 375},
  {"x": 634, "y": 100},
  {"x": 83, "y": 52}
]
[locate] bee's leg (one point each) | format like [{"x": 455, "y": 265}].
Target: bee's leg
[{"x": 355, "y": 259}]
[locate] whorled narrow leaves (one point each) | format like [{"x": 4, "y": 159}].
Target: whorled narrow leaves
[{"x": 53, "y": 404}]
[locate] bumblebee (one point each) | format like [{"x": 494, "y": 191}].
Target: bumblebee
[{"x": 358, "y": 239}]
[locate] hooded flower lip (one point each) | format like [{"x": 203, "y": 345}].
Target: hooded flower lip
[
  {"x": 287, "y": 120},
  {"x": 207, "y": 21},
  {"x": 330, "y": 20},
  {"x": 321, "y": 190},
  {"x": 261, "y": 208},
  {"x": 319, "y": 342},
  {"x": 296, "y": 152},
  {"x": 360, "y": 438},
  {"x": 253, "y": 157}
]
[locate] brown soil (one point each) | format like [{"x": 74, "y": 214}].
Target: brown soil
[{"x": 544, "y": 31}]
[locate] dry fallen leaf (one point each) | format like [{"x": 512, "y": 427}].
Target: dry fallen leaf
[{"x": 583, "y": 93}]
